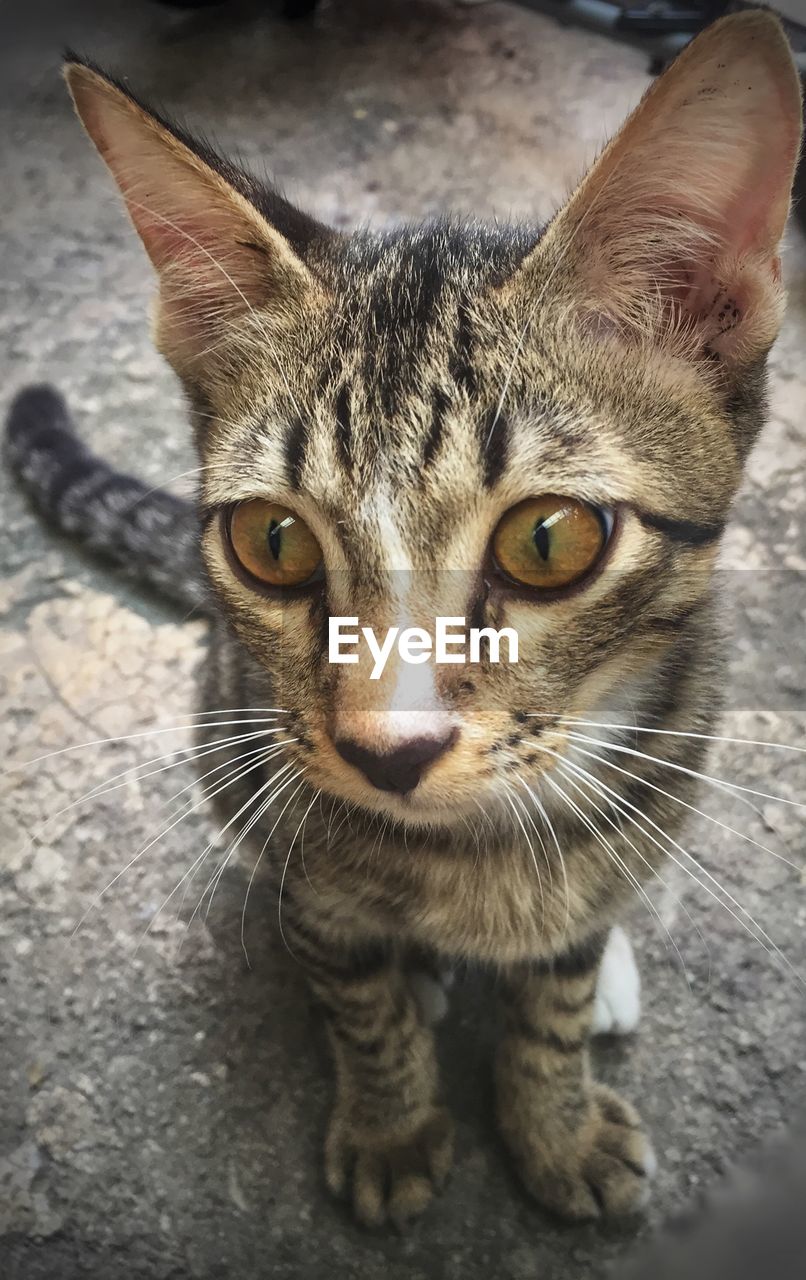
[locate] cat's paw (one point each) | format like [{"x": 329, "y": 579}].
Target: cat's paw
[
  {"x": 389, "y": 1178},
  {"x": 617, "y": 1007},
  {"x": 430, "y": 995},
  {"x": 603, "y": 1169}
]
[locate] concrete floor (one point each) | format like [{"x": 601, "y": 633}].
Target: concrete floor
[{"x": 162, "y": 1111}]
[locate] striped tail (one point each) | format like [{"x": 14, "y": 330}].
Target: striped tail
[{"x": 150, "y": 534}]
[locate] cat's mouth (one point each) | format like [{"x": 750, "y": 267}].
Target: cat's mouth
[
  {"x": 425, "y": 805},
  {"x": 446, "y": 775},
  {"x": 428, "y": 776},
  {"x": 418, "y": 812},
  {"x": 423, "y": 787}
]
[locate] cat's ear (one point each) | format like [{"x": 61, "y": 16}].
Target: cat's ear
[
  {"x": 674, "y": 234},
  {"x": 217, "y": 256}
]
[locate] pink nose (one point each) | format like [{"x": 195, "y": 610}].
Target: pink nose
[{"x": 400, "y": 769}]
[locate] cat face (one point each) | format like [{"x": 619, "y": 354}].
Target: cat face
[
  {"x": 388, "y": 445},
  {"x": 540, "y": 431}
]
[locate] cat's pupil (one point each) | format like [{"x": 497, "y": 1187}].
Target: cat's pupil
[
  {"x": 275, "y": 538},
  {"x": 542, "y": 540}
]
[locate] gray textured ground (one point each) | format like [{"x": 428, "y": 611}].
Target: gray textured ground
[{"x": 161, "y": 1115}]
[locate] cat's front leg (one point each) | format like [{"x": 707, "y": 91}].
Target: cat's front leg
[
  {"x": 579, "y": 1147},
  {"x": 389, "y": 1144}
]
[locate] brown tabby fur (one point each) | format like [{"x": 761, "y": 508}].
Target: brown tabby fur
[{"x": 400, "y": 393}]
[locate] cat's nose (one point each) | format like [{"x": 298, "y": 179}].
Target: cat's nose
[{"x": 401, "y": 768}]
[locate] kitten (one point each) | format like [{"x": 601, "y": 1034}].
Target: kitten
[{"x": 535, "y": 428}]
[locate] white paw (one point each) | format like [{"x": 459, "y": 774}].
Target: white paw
[
  {"x": 430, "y": 995},
  {"x": 618, "y": 992}
]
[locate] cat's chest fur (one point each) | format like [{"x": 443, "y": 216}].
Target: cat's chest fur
[{"x": 495, "y": 906}]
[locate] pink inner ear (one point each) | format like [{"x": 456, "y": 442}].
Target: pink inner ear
[
  {"x": 716, "y": 306},
  {"x": 178, "y": 238},
  {"x": 682, "y": 215},
  {"x": 731, "y": 309},
  {"x": 710, "y": 267},
  {"x": 210, "y": 269}
]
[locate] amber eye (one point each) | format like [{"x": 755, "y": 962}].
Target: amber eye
[
  {"x": 550, "y": 542},
  {"x": 273, "y": 545}
]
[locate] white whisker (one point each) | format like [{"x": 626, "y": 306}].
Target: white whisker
[
  {"x": 188, "y": 809},
  {"x": 268, "y": 751},
  {"x": 235, "y": 844},
  {"x": 263, "y": 849},
  {"x": 761, "y": 936},
  {"x": 677, "y": 799},
  {"x": 617, "y": 860},
  {"x": 148, "y": 733},
  {"x": 185, "y": 754},
  {"x": 589, "y": 781},
  {"x": 203, "y": 855},
  {"x": 541, "y": 809},
  {"x": 673, "y": 733},
  {"x": 318, "y": 796},
  {"x": 285, "y": 873},
  {"x": 519, "y": 821}
]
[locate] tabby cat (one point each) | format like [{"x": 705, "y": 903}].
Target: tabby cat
[{"x": 538, "y": 428}]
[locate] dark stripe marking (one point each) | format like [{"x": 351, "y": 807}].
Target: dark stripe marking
[
  {"x": 685, "y": 531},
  {"x": 440, "y": 404},
  {"x": 207, "y": 512},
  {"x": 571, "y": 1007},
  {"x": 363, "y": 961},
  {"x": 577, "y": 961},
  {"x": 295, "y": 443},
  {"x": 370, "y": 1048},
  {"x": 548, "y": 1039},
  {"x": 460, "y": 363},
  {"x": 675, "y": 622},
  {"x": 141, "y": 504},
  {"x": 344, "y": 426},
  {"x": 494, "y": 441},
  {"x": 324, "y": 970}
]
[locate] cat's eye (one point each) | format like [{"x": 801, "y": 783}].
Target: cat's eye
[
  {"x": 550, "y": 542},
  {"x": 273, "y": 545}
]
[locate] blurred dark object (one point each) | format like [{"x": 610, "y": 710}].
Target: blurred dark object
[
  {"x": 290, "y": 9},
  {"x": 754, "y": 1227},
  {"x": 190, "y": 4},
  {"x": 662, "y": 27},
  {"x": 661, "y": 16},
  {"x": 299, "y": 8}
]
